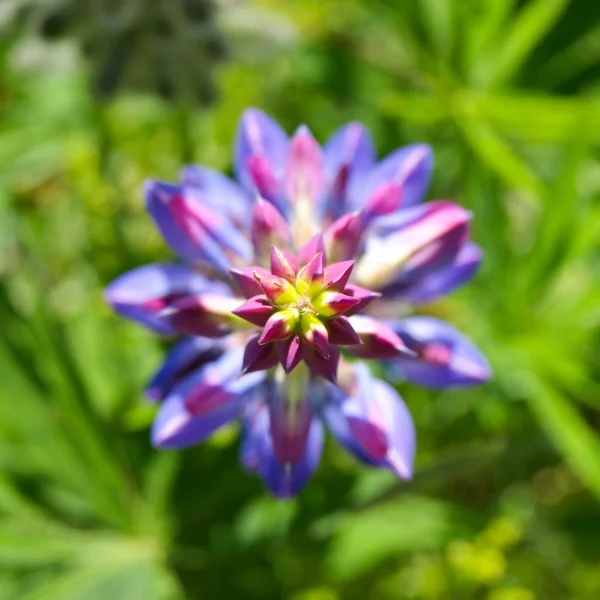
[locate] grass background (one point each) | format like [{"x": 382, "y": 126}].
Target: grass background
[{"x": 505, "y": 501}]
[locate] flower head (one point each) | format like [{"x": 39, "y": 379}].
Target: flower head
[{"x": 284, "y": 278}]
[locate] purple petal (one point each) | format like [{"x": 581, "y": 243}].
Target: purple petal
[
  {"x": 246, "y": 281},
  {"x": 344, "y": 237},
  {"x": 409, "y": 168},
  {"x": 379, "y": 341},
  {"x": 193, "y": 229},
  {"x": 184, "y": 358},
  {"x": 218, "y": 192},
  {"x": 257, "y": 454},
  {"x": 255, "y": 310},
  {"x": 341, "y": 333},
  {"x": 290, "y": 353},
  {"x": 412, "y": 244},
  {"x": 444, "y": 356},
  {"x": 208, "y": 315},
  {"x": 304, "y": 168},
  {"x": 347, "y": 157},
  {"x": 268, "y": 228},
  {"x": 259, "y": 136},
  {"x": 336, "y": 276},
  {"x": 203, "y": 402},
  {"x": 308, "y": 251},
  {"x": 143, "y": 293},
  {"x": 290, "y": 423},
  {"x": 372, "y": 422},
  {"x": 258, "y": 357},
  {"x": 440, "y": 282}
]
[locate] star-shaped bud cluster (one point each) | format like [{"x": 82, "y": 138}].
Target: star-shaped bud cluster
[{"x": 302, "y": 306}]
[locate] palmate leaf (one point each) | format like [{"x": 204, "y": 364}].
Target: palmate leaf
[{"x": 86, "y": 564}]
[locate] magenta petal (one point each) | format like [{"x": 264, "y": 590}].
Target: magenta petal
[
  {"x": 265, "y": 181},
  {"x": 269, "y": 228},
  {"x": 413, "y": 243},
  {"x": 385, "y": 199},
  {"x": 246, "y": 281},
  {"x": 344, "y": 237},
  {"x": 348, "y": 156},
  {"x": 372, "y": 422},
  {"x": 282, "y": 479},
  {"x": 283, "y": 264},
  {"x": 290, "y": 353},
  {"x": 258, "y": 357},
  {"x": 336, "y": 276},
  {"x": 365, "y": 296},
  {"x": 325, "y": 367},
  {"x": 185, "y": 357},
  {"x": 259, "y": 137},
  {"x": 444, "y": 357},
  {"x": 378, "y": 340},
  {"x": 313, "y": 271},
  {"x": 204, "y": 401},
  {"x": 304, "y": 175},
  {"x": 409, "y": 168},
  {"x": 341, "y": 332},
  {"x": 313, "y": 247},
  {"x": 255, "y": 310},
  {"x": 440, "y": 282},
  {"x": 143, "y": 293},
  {"x": 207, "y": 315},
  {"x": 290, "y": 423},
  {"x": 195, "y": 230},
  {"x": 277, "y": 328}
]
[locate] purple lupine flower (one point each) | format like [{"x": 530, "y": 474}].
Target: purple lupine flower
[{"x": 283, "y": 277}]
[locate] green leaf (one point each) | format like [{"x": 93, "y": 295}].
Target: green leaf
[{"x": 413, "y": 523}]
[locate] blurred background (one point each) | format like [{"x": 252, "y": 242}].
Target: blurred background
[{"x": 95, "y": 96}]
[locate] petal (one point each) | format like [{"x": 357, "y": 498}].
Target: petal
[
  {"x": 336, "y": 276},
  {"x": 259, "y": 136},
  {"x": 193, "y": 229},
  {"x": 268, "y": 228},
  {"x": 219, "y": 192},
  {"x": 258, "y": 357},
  {"x": 285, "y": 480},
  {"x": 246, "y": 281},
  {"x": 257, "y": 454},
  {"x": 203, "y": 402},
  {"x": 208, "y": 315},
  {"x": 409, "y": 168},
  {"x": 344, "y": 237},
  {"x": 325, "y": 367},
  {"x": 365, "y": 296},
  {"x": 255, "y": 310},
  {"x": 379, "y": 341},
  {"x": 444, "y": 357},
  {"x": 401, "y": 429},
  {"x": 341, "y": 333},
  {"x": 333, "y": 304},
  {"x": 143, "y": 293},
  {"x": 280, "y": 326},
  {"x": 347, "y": 156},
  {"x": 412, "y": 244},
  {"x": 290, "y": 353},
  {"x": 372, "y": 422},
  {"x": 309, "y": 250},
  {"x": 304, "y": 175},
  {"x": 443, "y": 281},
  {"x": 184, "y": 358},
  {"x": 283, "y": 264},
  {"x": 289, "y": 425}
]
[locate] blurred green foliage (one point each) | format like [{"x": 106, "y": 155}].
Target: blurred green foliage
[{"x": 505, "y": 501}]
